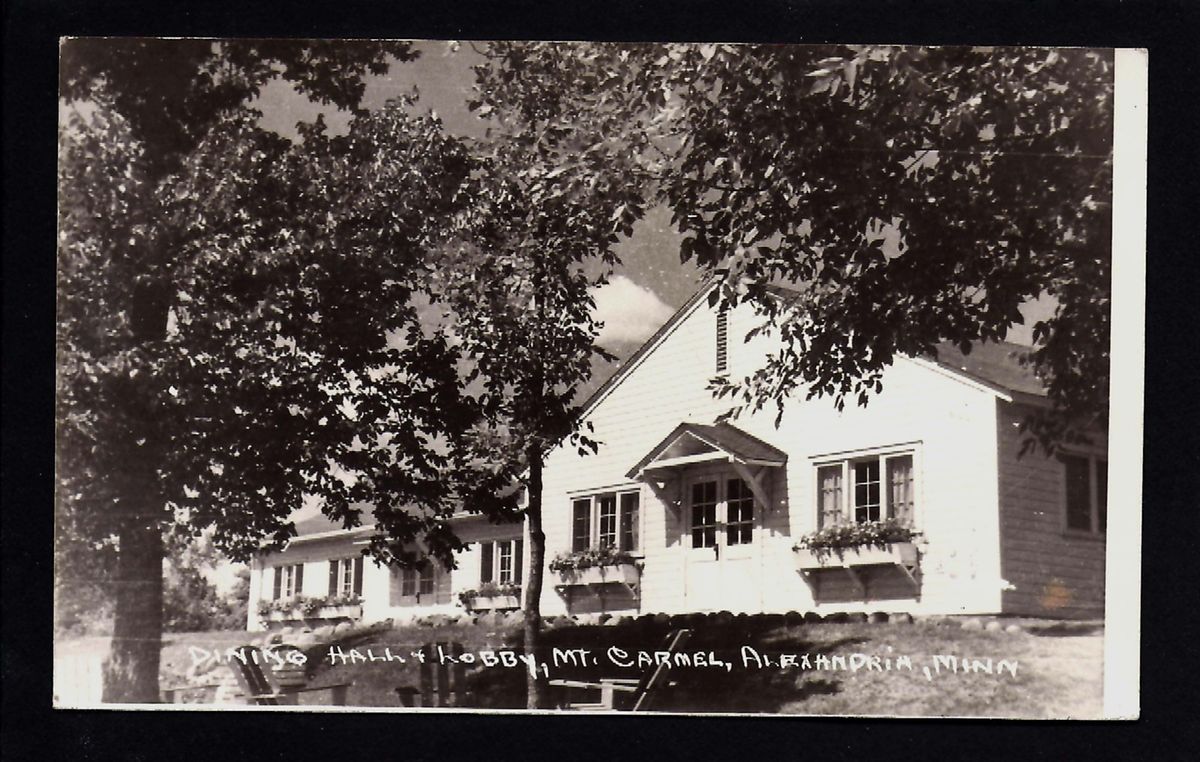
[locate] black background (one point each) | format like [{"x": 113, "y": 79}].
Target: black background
[{"x": 31, "y": 730}]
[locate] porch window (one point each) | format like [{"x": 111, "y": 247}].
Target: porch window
[
  {"x": 345, "y": 576},
  {"x": 607, "y": 519},
  {"x": 289, "y": 581},
  {"x": 740, "y": 510},
  {"x": 866, "y": 487},
  {"x": 1086, "y": 493},
  {"x": 704, "y": 514}
]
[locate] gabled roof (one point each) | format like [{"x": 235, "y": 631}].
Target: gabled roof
[
  {"x": 720, "y": 439},
  {"x": 632, "y": 361},
  {"x": 320, "y": 527},
  {"x": 994, "y": 364}
]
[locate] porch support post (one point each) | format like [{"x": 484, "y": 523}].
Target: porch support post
[{"x": 755, "y": 480}]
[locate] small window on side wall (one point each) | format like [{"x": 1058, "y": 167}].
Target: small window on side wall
[{"x": 1086, "y": 493}]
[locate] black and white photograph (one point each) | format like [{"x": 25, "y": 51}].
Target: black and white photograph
[{"x": 513, "y": 376}]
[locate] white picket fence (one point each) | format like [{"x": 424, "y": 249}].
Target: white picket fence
[{"x": 78, "y": 680}]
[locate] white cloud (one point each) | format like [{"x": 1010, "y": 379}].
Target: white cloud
[{"x": 630, "y": 313}]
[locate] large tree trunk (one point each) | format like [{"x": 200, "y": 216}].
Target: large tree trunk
[
  {"x": 537, "y": 689},
  {"x": 131, "y": 673}
]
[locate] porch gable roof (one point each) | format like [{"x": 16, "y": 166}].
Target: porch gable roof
[{"x": 720, "y": 441}]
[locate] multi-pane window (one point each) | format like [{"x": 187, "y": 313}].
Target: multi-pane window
[
  {"x": 417, "y": 581},
  {"x": 605, "y": 520},
  {"x": 721, "y": 509},
  {"x": 500, "y": 562},
  {"x": 866, "y": 488},
  {"x": 289, "y": 581},
  {"x": 345, "y": 576},
  {"x": 1086, "y": 493},
  {"x": 739, "y": 501},
  {"x": 867, "y": 499},
  {"x": 704, "y": 514},
  {"x": 607, "y": 537}
]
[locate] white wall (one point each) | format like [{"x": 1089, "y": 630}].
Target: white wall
[
  {"x": 377, "y": 579},
  {"x": 954, "y": 424}
]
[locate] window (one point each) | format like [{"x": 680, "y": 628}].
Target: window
[
  {"x": 581, "y": 537},
  {"x": 289, "y": 581},
  {"x": 1086, "y": 480},
  {"x": 500, "y": 561},
  {"x": 345, "y": 576},
  {"x": 417, "y": 582},
  {"x": 867, "y": 500},
  {"x": 705, "y": 519},
  {"x": 704, "y": 514},
  {"x": 740, "y": 513},
  {"x": 613, "y": 515},
  {"x": 880, "y": 486},
  {"x": 629, "y": 521},
  {"x": 722, "y": 340}
]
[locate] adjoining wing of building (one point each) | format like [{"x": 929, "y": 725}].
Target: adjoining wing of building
[{"x": 707, "y": 516}]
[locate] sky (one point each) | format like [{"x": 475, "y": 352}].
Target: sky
[{"x": 650, "y": 284}]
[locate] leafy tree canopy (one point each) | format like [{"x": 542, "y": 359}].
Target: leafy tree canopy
[{"x": 909, "y": 196}]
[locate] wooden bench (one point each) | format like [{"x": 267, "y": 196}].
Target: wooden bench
[
  {"x": 644, "y": 691},
  {"x": 291, "y": 677},
  {"x": 440, "y": 685}
]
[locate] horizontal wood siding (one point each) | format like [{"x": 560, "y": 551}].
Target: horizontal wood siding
[
  {"x": 954, "y": 423},
  {"x": 1052, "y": 573}
]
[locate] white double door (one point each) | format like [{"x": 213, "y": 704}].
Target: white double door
[{"x": 721, "y": 539}]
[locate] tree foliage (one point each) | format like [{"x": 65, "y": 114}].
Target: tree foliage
[
  {"x": 907, "y": 195},
  {"x": 209, "y": 340}
]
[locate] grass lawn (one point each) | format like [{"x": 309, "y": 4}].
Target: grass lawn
[{"x": 1058, "y": 668}]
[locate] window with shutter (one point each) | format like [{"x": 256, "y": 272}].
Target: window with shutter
[{"x": 504, "y": 562}]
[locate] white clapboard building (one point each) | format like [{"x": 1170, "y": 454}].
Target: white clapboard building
[{"x": 699, "y": 515}]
